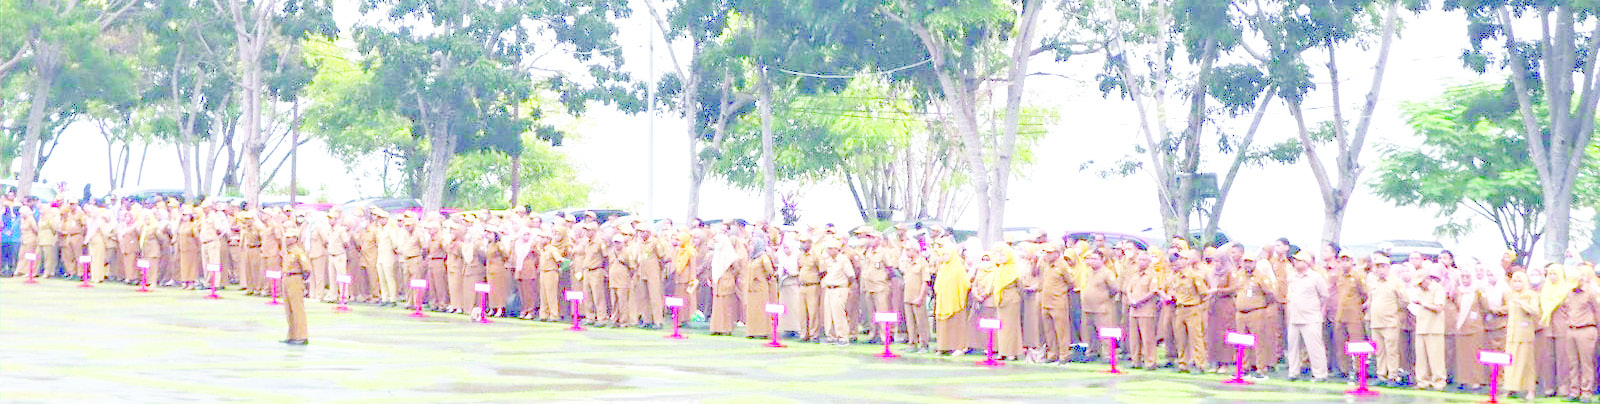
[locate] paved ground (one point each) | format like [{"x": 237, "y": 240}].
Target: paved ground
[{"x": 62, "y": 344}]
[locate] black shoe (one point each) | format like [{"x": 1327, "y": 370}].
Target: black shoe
[{"x": 295, "y": 341}]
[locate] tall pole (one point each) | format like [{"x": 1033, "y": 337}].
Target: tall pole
[
  {"x": 294, "y": 155},
  {"x": 650, "y": 108}
]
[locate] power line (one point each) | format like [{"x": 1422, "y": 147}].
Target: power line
[{"x": 851, "y": 76}]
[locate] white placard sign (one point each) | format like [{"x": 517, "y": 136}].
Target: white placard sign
[
  {"x": 344, "y": 278},
  {"x": 1494, "y": 358},
  {"x": 989, "y": 323},
  {"x": 890, "y": 317},
  {"x": 30, "y": 256},
  {"x": 773, "y": 308},
  {"x": 1111, "y": 333},
  {"x": 1360, "y": 348},
  {"x": 674, "y": 301},
  {"x": 83, "y": 259},
  {"x": 274, "y": 275},
  {"x": 142, "y": 264},
  {"x": 1241, "y": 339},
  {"x": 480, "y": 287},
  {"x": 574, "y": 295},
  {"x": 213, "y": 267},
  {"x": 419, "y": 283}
]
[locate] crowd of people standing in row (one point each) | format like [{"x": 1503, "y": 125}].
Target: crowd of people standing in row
[{"x": 1428, "y": 316}]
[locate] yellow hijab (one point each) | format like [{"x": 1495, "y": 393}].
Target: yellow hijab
[
  {"x": 1080, "y": 270},
  {"x": 1007, "y": 272},
  {"x": 1555, "y": 290},
  {"x": 951, "y": 285}
]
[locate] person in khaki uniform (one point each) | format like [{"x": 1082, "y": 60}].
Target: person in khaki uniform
[
  {"x": 1142, "y": 301},
  {"x": 338, "y": 240},
  {"x": 525, "y": 269},
  {"x": 918, "y": 275},
  {"x": 72, "y": 218},
  {"x": 590, "y": 272},
  {"x": 272, "y": 248},
  {"x": 1005, "y": 298},
  {"x": 1428, "y": 305},
  {"x": 837, "y": 273},
  {"x": 1522, "y": 304},
  {"x": 1099, "y": 308},
  {"x": 759, "y": 281},
  {"x": 1254, "y": 292},
  {"x": 49, "y": 241},
  {"x": 874, "y": 280},
  {"x": 653, "y": 250},
  {"x": 1469, "y": 303},
  {"x": 315, "y": 243},
  {"x": 725, "y": 268},
  {"x": 188, "y": 250},
  {"x": 497, "y": 259},
  {"x": 951, "y": 288},
  {"x": 1582, "y": 317},
  {"x": 810, "y": 289},
  {"x": 408, "y": 254},
  {"x": 619, "y": 276},
  {"x": 551, "y": 255},
  {"x": 100, "y": 237},
  {"x": 1305, "y": 298},
  {"x": 151, "y": 236},
  {"x": 294, "y": 273},
  {"x": 30, "y": 241},
  {"x": 1384, "y": 317},
  {"x": 368, "y": 244},
  {"x": 1055, "y": 284},
  {"x": 1189, "y": 288},
  {"x": 431, "y": 237},
  {"x": 1350, "y": 296}
]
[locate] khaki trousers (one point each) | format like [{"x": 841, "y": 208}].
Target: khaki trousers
[
  {"x": 388, "y": 279},
  {"x": 916, "y": 320},
  {"x": 835, "y": 301},
  {"x": 1580, "y": 381},
  {"x": 294, "y": 306},
  {"x": 1387, "y": 340},
  {"x": 319, "y": 278},
  {"x": 1059, "y": 317},
  {"x": 1255, "y": 322},
  {"x": 1430, "y": 370},
  {"x": 654, "y": 304},
  {"x": 810, "y": 311},
  {"x": 550, "y": 295},
  {"x": 1142, "y": 341},
  {"x": 1190, "y": 332},
  {"x": 595, "y": 295}
]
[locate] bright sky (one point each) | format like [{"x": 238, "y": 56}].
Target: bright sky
[{"x": 620, "y": 157}]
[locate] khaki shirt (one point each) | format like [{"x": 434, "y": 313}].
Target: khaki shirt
[
  {"x": 1097, "y": 295},
  {"x": 838, "y": 271},
  {"x": 1383, "y": 303}
]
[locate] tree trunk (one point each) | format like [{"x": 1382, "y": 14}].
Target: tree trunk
[
  {"x": 768, "y": 172},
  {"x": 294, "y": 154},
  {"x": 441, "y": 148},
  {"x": 46, "y": 65},
  {"x": 1020, "y": 52},
  {"x": 516, "y": 179}
]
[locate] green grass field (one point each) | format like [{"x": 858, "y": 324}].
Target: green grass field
[{"x": 63, "y": 344}]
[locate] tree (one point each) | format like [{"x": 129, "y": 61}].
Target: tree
[
  {"x": 457, "y": 69},
  {"x": 1298, "y": 26},
  {"x": 60, "y": 31},
  {"x": 1545, "y": 68},
  {"x": 480, "y": 179},
  {"x": 1472, "y": 157}
]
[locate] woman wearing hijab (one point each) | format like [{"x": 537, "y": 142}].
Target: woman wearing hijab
[
  {"x": 758, "y": 283},
  {"x": 724, "y": 272},
  {"x": 1523, "y": 305},
  {"x": 1006, "y": 299},
  {"x": 1553, "y": 330},
  {"x": 1468, "y": 324},
  {"x": 950, "y": 289}
]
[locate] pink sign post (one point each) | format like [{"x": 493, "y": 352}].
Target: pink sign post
[
  {"x": 344, "y": 289},
  {"x": 417, "y": 286},
  {"x": 775, "y": 310},
  {"x": 276, "y": 277},
  {"x": 887, "y": 320},
  {"x": 144, "y": 275},
  {"x": 83, "y": 260},
  {"x": 992, "y": 325},
  {"x": 1495, "y": 360},
  {"x": 216, "y": 279},
  {"x": 1361, "y": 350},
  {"x": 32, "y": 261},
  {"x": 1240, "y": 341},
  {"x": 575, "y": 296},
  {"x": 675, "y": 304},
  {"x": 481, "y": 314},
  {"x": 1112, "y": 335}
]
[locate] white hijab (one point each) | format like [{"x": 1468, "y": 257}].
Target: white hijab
[{"x": 723, "y": 256}]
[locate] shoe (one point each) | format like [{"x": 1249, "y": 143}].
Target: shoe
[
  {"x": 295, "y": 341},
  {"x": 1319, "y": 380}
]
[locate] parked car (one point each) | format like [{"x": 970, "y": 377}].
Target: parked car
[
  {"x": 1400, "y": 250},
  {"x": 144, "y": 195},
  {"x": 1112, "y": 238},
  {"x": 387, "y": 204},
  {"x": 600, "y": 214},
  {"x": 45, "y": 192}
]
